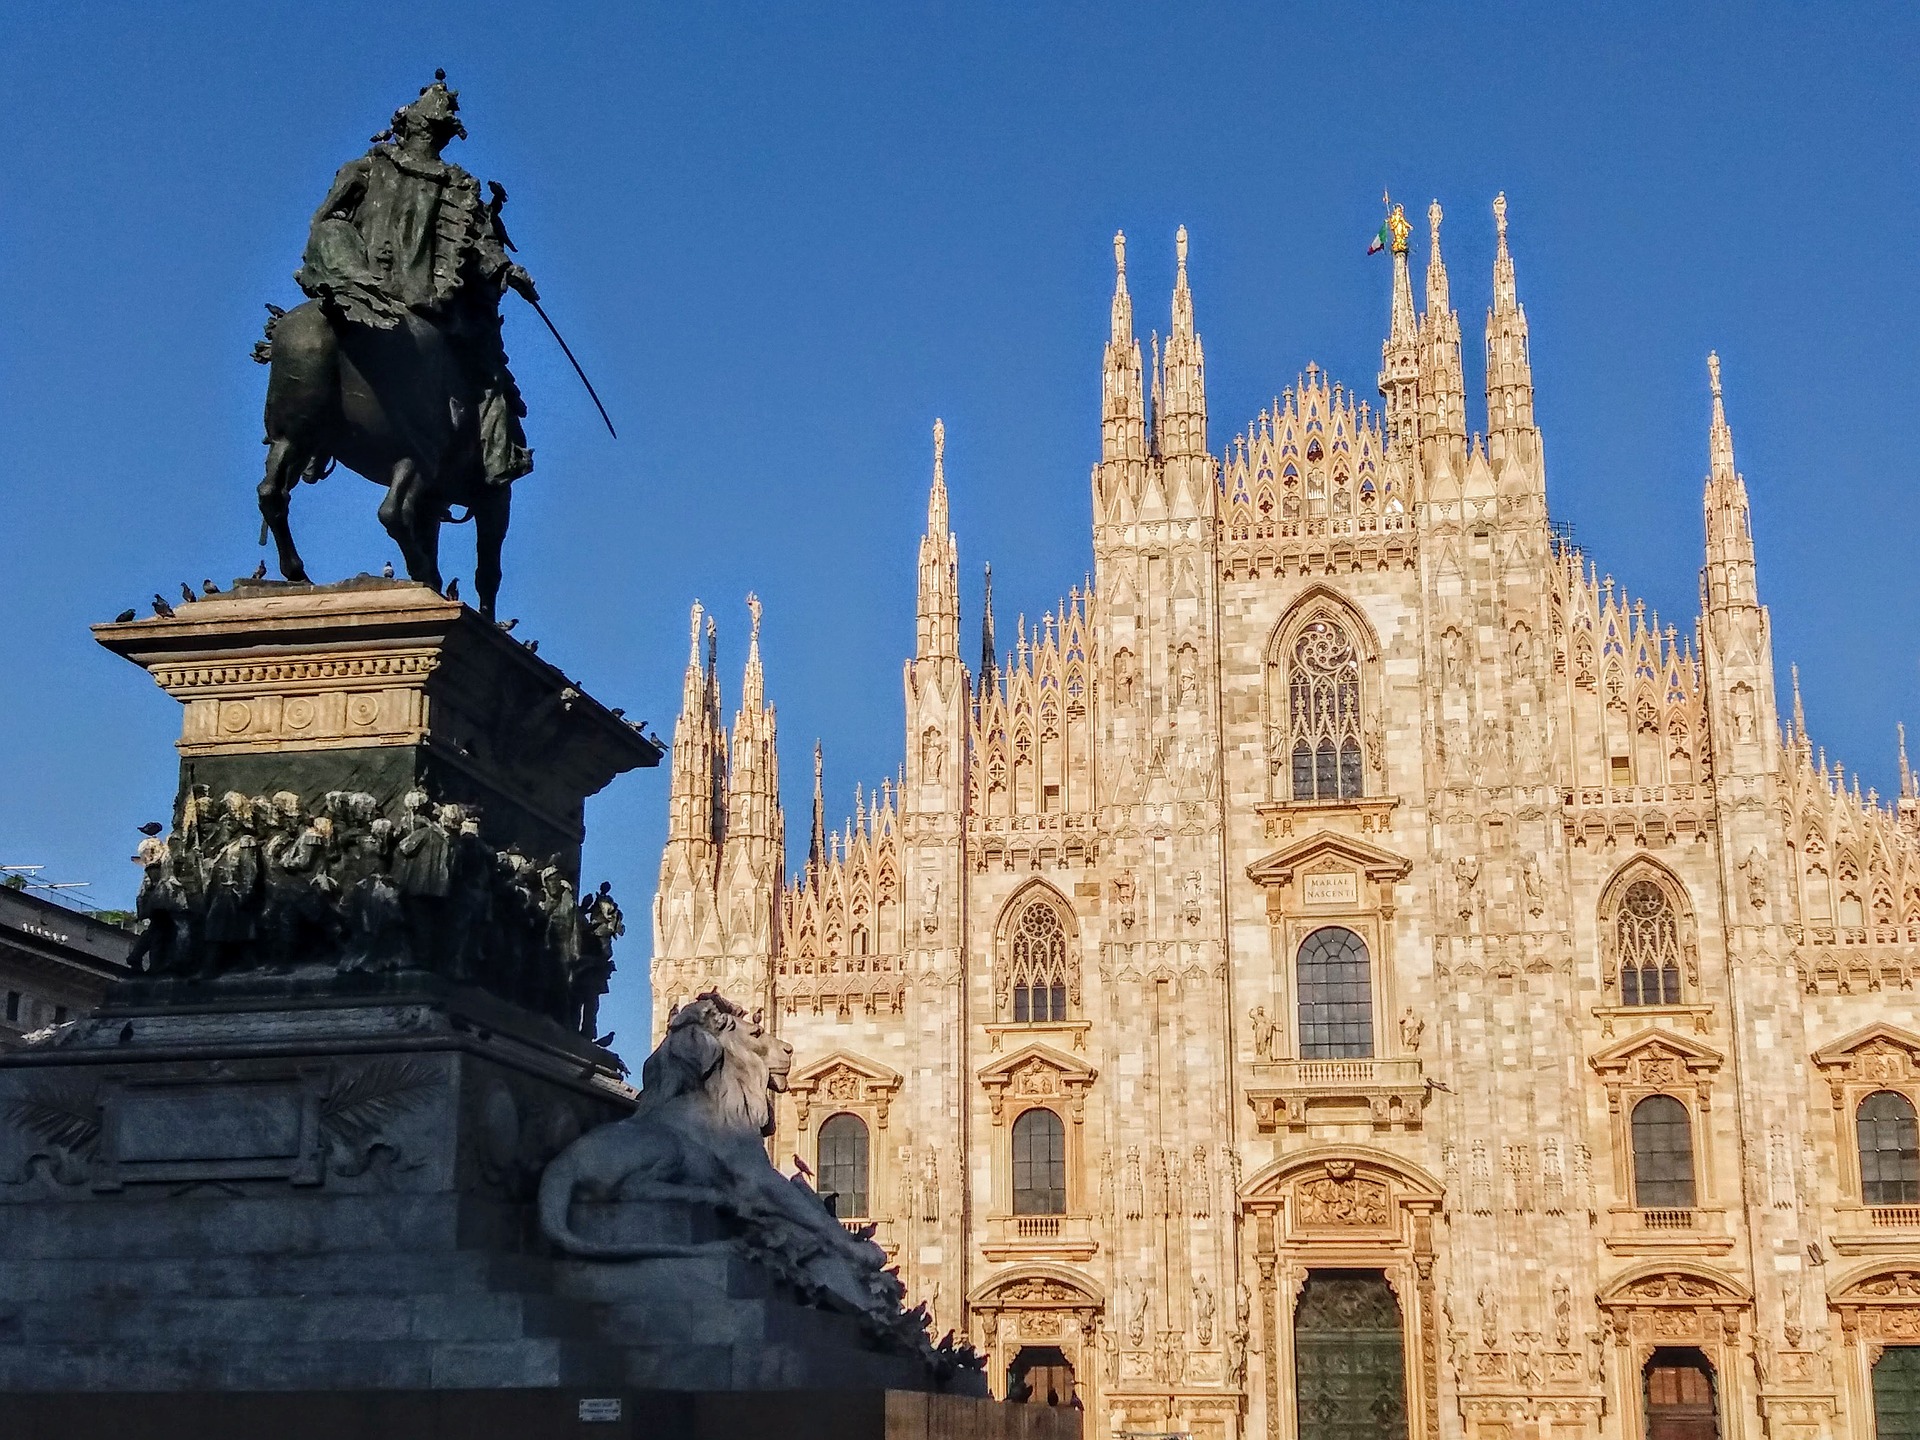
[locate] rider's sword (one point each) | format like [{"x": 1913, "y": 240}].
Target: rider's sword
[{"x": 573, "y": 362}]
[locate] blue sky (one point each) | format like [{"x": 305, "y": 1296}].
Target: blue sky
[{"x": 784, "y": 238}]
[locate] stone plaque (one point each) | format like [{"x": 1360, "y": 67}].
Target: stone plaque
[
  {"x": 1336, "y": 887},
  {"x": 204, "y": 1122},
  {"x": 233, "y": 1130}
]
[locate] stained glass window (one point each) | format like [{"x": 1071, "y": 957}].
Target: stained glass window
[
  {"x": 1039, "y": 962},
  {"x": 1647, "y": 937},
  {"x": 1323, "y": 712}
]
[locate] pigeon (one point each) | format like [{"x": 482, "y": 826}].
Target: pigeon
[
  {"x": 605, "y": 1040},
  {"x": 507, "y": 625},
  {"x": 207, "y": 587},
  {"x": 186, "y": 593},
  {"x": 162, "y": 608},
  {"x": 617, "y": 712},
  {"x": 124, "y": 616},
  {"x": 453, "y": 588},
  {"x": 533, "y": 647},
  {"x": 126, "y": 1033},
  {"x": 260, "y": 571},
  {"x": 151, "y": 828}
]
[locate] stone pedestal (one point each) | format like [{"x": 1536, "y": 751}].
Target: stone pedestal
[
  {"x": 305, "y": 1191},
  {"x": 288, "y": 1186},
  {"x": 284, "y": 1181},
  {"x": 380, "y": 686}
]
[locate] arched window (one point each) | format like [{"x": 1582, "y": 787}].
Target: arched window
[
  {"x": 1039, "y": 1164},
  {"x": 1323, "y": 711},
  {"x": 1335, "y": 981},
  {"x": 1646, "y": 936},
  {"x": 1889, "y": 1150},
  {"x": 843, "y": 1164},
  {"x": 1662, "y": 1154},
  {"x": 1038, "y": 947}
]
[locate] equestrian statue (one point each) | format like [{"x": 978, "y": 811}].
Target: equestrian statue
[{"x": 394, "y": 366}]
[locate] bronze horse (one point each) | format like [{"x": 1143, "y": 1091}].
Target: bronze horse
[{"x": 396, "y": 406}]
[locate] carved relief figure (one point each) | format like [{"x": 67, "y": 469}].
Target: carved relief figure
[
  {"x": 930, "y": 904},
  {"x": 1466, "y": 875},
  {"x": 1203, "y": 1311},
  {"x": 1412, "y": 1027},
  {"x": 1263, "y": 1030}
]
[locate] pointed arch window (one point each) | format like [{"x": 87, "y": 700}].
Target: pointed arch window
[
  {"x": 1041, "y": 977},
  {"x": 1323, "y": 711},
  {"x": 1662, "y": 1154},
  {"x": 1889, "y": 1136},
  {"x": 1646, "y": 936}
]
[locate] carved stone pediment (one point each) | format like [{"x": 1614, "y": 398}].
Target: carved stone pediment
[
  {"x": 843, "y": 1079},
  {"x": 1027, "y": 1290},
  {"x": 1657, "y": 1059},
  {"x": 1351, "y": 1192},
  {"x": 1326, "y": 850},
  {"x": 1669, "y": 1287},
  {"x": 1877, "y": 1053},
  {"x": 1039, "y": 1073}
]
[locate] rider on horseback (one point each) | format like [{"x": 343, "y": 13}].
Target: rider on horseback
[{"x": 404, "y": 231}]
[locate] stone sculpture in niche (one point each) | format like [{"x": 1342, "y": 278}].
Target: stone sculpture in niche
[{"x": 696, "y": 1139}]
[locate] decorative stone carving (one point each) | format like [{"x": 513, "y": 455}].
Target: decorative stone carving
[
  {"x": 695, "y": 1139},
  {"x": 1340, "y": 1200}
]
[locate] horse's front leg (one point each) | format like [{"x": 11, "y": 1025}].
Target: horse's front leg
[
  {"x": 399, "y": 514},
  {"x": 490, "y": 515},
  {"x": 284, "y": 465}
]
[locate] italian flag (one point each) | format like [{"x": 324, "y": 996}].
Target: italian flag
[{"x": 1379, "y": 241}]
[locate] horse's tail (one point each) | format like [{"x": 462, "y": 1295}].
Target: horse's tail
[{"x": 263, "y": 349}]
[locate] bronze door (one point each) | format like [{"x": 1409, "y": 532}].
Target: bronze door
[
  {"x": 1896, "y": 1393},
  {"x": 1680, "y": 1403},
  {"x": 1349, "y": 1362}
]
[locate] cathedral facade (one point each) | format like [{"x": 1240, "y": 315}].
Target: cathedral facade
[{"x": 1350, "y": 971}]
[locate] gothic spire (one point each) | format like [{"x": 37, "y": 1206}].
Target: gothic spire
[
  {"x": 989, "y": 663},
  {"x": 1443, "y": 400},
  {"x": 938, "y": 614},
  {"x": 1400, "y": 353},
  {"x": 1509, "y": 366},
  {"x": 1401, "y": 330},
  {"x": 1180, "y": 412},
  {"x": 1437, "y": 299},
  {"x": 1730, "y": 577},
  {"x": 1123, "y": 434},
  {"x": 1907, "y": 790},
  {"x": 817, "y": 844},
  {"x": 753, "y": 688},
  {"x": 691, "y": 808},
  {"x": 753, "y": 796}
]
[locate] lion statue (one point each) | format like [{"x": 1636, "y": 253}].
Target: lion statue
[{"x": 697, "y": 1137}]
